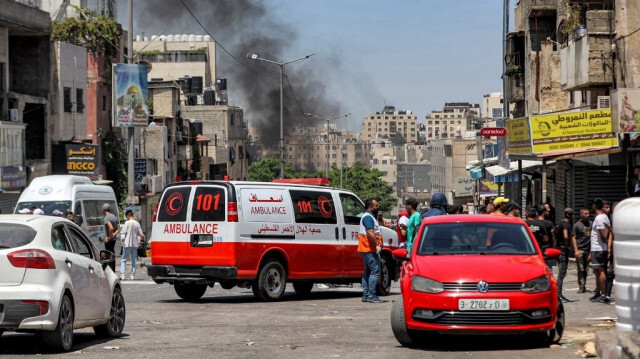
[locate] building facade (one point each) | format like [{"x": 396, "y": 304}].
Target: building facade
[
  {"x": 389, "y": 124},
  {"x": 453, "y": 121}
]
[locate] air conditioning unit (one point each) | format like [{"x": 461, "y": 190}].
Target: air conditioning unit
[
  {"x": 604, "y": 102},
  {"x": 13, "y": 115},
  {"x": 156, "y": 185}
]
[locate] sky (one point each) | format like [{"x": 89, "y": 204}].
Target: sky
[{"x": 412, "y": 54}]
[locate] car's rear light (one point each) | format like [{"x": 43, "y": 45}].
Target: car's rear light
[
  {"x": 225, "y": 178},
  {"x": 43, "y": 304},
  {"x": 155, "y": 213},
  {"x": 232, "y": 210},
  {"x": 31, "y": 258}
]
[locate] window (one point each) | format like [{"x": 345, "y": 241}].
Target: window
[
  {"x": 82, "y": 246},
  {"x": 313, "y": 207},
  {"x": 93, "y": 212},
  {"x": 104, "y": 103},
  {"x": 67, "y": 99},
  {"x": 79, "y": 100},
  {"x": 58, "y": 239},
  {"x": 231, "y": 120},
  {"x": 14, "y": 235},
  {"x": 173, "y": 207},
  {"x": 208, "y": 205},
  {"x": 352, "y": 208}
]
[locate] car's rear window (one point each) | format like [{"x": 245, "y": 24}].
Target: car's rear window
[
  {"x": 14, "y": 235},
  {"x": 174, "y": 205},
  {"x": 475, "y": 238}
]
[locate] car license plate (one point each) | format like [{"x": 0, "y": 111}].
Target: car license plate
[
  {"x": 483, "y": 304},
  {"x": 201, "y": 240}
]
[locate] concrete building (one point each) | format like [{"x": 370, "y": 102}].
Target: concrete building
[
  {"x": 384, "y": 156},
  {"x": 492, "y": 105},
  {"x": 413, "y": 181},
  {"x": 397, "y": 126},
  {"x": 68, "y": 115},
  {"x": 448, "y": 160},
  {"x": 453, "y": 121},
  {"x": 25, "y": 86}
]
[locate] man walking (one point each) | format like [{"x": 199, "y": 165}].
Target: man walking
[
  {"x": 599, "y": 238},
  {"x": 581, "y": 240},
  {"x": 132, "y": 233},
  {"x": 369, "y": 247},
  {"x": 541, "y": 211},
  {"x": 411, "y": 205},
  {"x": 537, "y": 228},
  {"x": 112, "y": 229},
  {"x": 564, "y": 238}
]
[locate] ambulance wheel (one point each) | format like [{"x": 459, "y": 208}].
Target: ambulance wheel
[
  {"x": 189, "y": 291},
  {"x": 384, "y": 281},
  {"x": 271, "y": 282},
  {"x": 303, "y": 288}
]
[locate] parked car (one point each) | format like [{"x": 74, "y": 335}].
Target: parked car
[
  {"x": 54, "y": 281},
  {"x": 476, "y": 274}
]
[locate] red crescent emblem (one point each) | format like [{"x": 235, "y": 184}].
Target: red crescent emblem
[
  {"x": 170, "y": 208},
  {"x": 325, "y": 207}
]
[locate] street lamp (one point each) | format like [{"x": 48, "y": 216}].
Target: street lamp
[
  {"x": 281, "y": 64},
  {"x": 326, "y": 171}
]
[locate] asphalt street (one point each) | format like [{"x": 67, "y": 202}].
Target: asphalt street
[{"x": 330, "y": 322}]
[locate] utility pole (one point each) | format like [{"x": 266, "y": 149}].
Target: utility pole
[{"x": 130, "y": 130}]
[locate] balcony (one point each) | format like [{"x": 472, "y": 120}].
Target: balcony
[{"x": 538, "y": 8}]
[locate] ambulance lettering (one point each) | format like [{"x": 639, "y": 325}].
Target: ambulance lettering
[
  {"x": 184, "y": 228},
  {"x": 269, "y": 210}
]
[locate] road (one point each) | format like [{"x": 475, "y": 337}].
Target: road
[{"x": 330, "y": 322}]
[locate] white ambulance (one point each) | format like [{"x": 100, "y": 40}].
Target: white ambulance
[{"x": 259, "y": 235}]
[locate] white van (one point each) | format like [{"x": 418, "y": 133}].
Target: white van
[
  {"x": 259, "y": 235},
  {"x": 76, "y": 194}
]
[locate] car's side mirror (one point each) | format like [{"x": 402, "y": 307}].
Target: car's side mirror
[
  {"x": 106, "y": 257},
  {"x": 400, "y": 254},
  {"x": 552, "y": 253}
]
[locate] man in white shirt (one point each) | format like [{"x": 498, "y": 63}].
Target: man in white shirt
[
  {"x": 132, "y": 233},
  {"x": 600, "y": 241}
]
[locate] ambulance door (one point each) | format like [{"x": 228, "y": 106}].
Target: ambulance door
[
  {"x": 208, "y": 227},
  {"x": 352, "y": 210},
  {"x": 169, "y": 240}
]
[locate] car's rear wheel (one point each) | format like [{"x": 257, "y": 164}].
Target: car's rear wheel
[
  {"x": 117, "y": 314},
  {"x": 271, "y": 282},
  {"x": 191, "y": 292},
  {"x": 406, "y": 337},
  {"x": 384, "y": 281},
  {"x": 61, "y": 338},
  {"x": 554, "y": 335},
  {"x": 303, "y": 288}
]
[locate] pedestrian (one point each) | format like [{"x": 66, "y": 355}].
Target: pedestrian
[
  {"x": 411, "y": 206},
  {"x": 131, "y": 235},
  {"x": 369, "y": 247},
  {"x": 581, "y": 240},
  {"x": 455, "y": 209},
  {"x": 600, "y": 239},
  {"x": 438, "y": 205},
  {"x": 611, "y": 275},
  {"x": 69, "y": 216},
  {"x": 401, "y": 228},
  {"x": 490, "y": 206},
  {"x": 513, "y": 210},
  {"x": 541, "y": 211},
  {"x": 538, "y": 228},
  {"x": 112, "y": 229},
  {"x": 56, "y": 212},
  {"x": 483, "y": 210},
  {"x": 564, "y": 239},
  {"x": 500, "y": 205},
  {"x": 550, "y": 211},
  {"x": 636, "y": 185}
]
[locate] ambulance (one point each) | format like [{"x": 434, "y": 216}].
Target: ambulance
[{"x": 260, "y": 235}]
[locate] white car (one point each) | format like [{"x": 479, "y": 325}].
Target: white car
[{"x": 54, "y": 281}]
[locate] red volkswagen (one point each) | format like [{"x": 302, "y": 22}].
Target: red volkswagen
[{"x": 470, "y": 274}]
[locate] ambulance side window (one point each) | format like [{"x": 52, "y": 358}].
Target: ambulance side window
[
  {"x": 173, "y": 207},
  {"x": 313, "y": 207},
  {"x": 352, "y": 208},
  {"x": 208, "y": 205}
]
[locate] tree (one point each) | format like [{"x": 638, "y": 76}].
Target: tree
[
  {"x": 268, "y": 169},
  {"x": 365, "y": 183}
]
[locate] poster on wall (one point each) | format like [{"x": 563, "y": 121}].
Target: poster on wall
[
  {"x": 625, "y": 110},
  {"x": 518, "y": 136},
  {"x": 131, "y": 96},
  {"x": 573, "y": 131}
]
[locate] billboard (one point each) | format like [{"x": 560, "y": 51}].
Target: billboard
[
  {"x": 13, "y": 178},
  {"x": 573, "y": 131},
  {"x": 130, "y": 96},
  {"x": 463, "y": 186},
  {"x": 488, "y": 188},
  {"x": 518, "y": 136},
  {"x": 82, "y": 159},
  {"x": 625, "y": 110}
]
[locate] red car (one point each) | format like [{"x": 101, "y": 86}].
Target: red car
[{"x": 471, "y": 274}]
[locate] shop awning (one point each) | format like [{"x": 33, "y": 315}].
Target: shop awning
[{"x": 567, "y": 154}]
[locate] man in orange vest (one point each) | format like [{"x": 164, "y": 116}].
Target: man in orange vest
[{"x": 369, "y": 247}]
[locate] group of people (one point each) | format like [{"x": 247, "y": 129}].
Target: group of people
[
  {"x": 591, "y": 241},
  {"x": 131, "y": 236}
]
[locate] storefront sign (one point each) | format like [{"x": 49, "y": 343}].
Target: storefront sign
[
  {"x": 488, "y": 188},
  {"x": 463, "y": 186},
  {"x": 130, "y": 96},
  {"x": 12, "y": 178},
  {"x": 518, "y": 136},
  {"x": 493, "y": 131},
  {"x": 140, "y": 169},
  {"x": 625, "y": 110},
  {"x": 573, "y": 131},
  {"x": 82, "y": 159}
]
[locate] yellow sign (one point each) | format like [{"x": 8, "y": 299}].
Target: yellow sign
[
  {"x": 573, "y": 131},
  {"x": 518, "y": 136}
]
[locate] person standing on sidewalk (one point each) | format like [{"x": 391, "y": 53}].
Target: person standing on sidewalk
[
  {"x": 112, "y": 229},
  {"x": 132, "y": 233},
  {"x": 369, "y": 247},
  {"x": 600, "y": 236},
  {"x": 581, "y": 240},
  {"x": 564, "y": 239},
  {"x": 611, "y": 275}
]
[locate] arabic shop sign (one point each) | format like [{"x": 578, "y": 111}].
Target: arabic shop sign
[
  {"x": 463, "y": 186},
  {"x": 573, "y": 131},
  {"x": 12, "y": 177},
  {"x": 82, "y": 159},
  {"x": 518, "y": 136}
]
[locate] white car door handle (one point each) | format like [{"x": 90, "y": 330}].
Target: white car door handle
[
  {"x": 68, "y": 261},
  {"x": 91, "y": 269}
]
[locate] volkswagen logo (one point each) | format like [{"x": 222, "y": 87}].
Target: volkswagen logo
[{"x": 483, "y": 286}]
